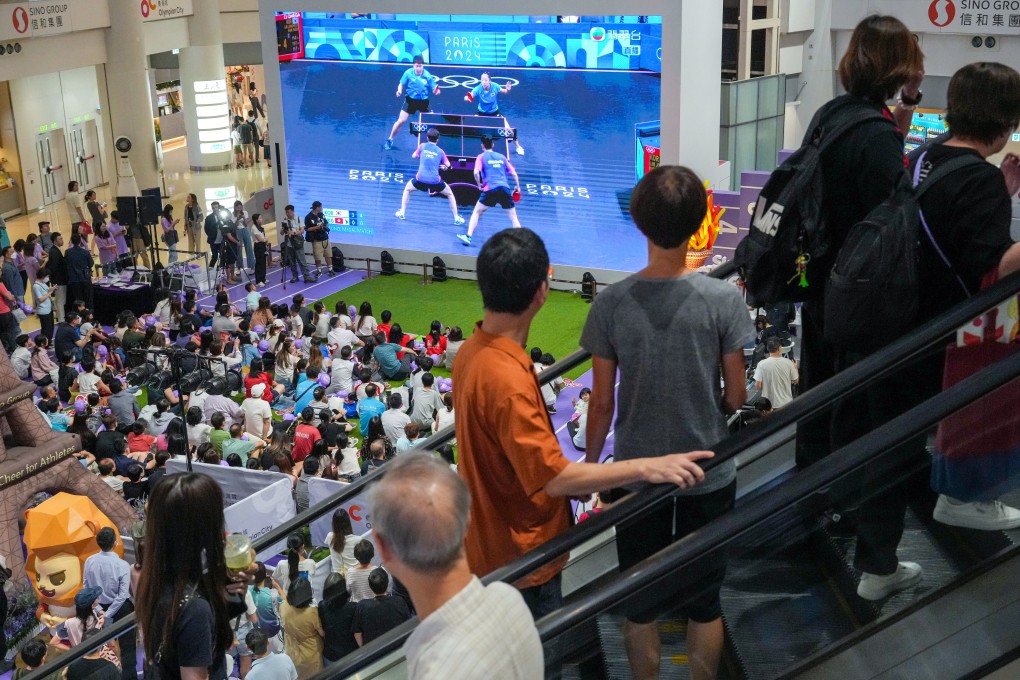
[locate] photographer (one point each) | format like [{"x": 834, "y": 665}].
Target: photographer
[
  {"x": 317, "y": 233},
  {"x": 293, "y": 234}
]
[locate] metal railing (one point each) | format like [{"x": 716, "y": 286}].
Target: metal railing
[{"x": 818, "y": 399}]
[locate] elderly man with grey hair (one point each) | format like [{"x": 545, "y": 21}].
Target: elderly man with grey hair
[{"x": 467, "y": 630}]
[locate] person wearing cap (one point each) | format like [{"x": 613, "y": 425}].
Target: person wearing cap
[
  {"x": 89, "y": 614},
  {"x": 257, "y": 414},
  {"x": 45, "y": 238},
  {"x": 112, "y": 574},
  {"x": 317, "y": 233}
]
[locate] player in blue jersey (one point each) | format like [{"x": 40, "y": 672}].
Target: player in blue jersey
[
  {"x": 431, "y": 159},
  {"x": 487, "y": 96},
  {"x": 493, "y": 172},
  {"x": 415, "y": 87}
]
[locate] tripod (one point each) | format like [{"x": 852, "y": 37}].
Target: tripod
[{"x": 221, "y": 266}]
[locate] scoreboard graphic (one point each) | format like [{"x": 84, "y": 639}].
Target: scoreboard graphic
[
  {"x": 346, "y": 221},
  {"x": 575, "y": 46}
]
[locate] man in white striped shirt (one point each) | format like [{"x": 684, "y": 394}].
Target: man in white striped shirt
[{"x": 468, "y": 631}]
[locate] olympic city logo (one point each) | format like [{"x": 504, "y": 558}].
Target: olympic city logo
[{"x": 469, "y": 82}]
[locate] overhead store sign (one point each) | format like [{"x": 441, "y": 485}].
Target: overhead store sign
[
  {"x": 35, "y": 19},
  {"x": 980, "y": 17},
  {"x": 157, "y": 10}
]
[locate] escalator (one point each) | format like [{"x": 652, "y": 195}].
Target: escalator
[{"x": 789, "y": 599}]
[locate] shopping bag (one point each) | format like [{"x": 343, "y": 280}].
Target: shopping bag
[{"x": 977, "y": 449}]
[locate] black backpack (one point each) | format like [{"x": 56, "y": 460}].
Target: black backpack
[
  {"x": 387, "y": 267},
  {"x": 788, "y": 230},
  {"x": 439, "y": 269},
  {"x": 338, "y": 260},
  {"x": 872, "y": 296},
  {"x": 245, "y": 133}
]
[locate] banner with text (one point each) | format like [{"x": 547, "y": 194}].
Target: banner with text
[
  {"x": 262, "y": 512},
  {"x": 237, "y": 483},
  {"x": 157, "y": 10},
  {"x": 361, "y": 517}
]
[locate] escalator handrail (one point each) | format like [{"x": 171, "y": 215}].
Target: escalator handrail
[
  {"x": 847, "y": 382},
  {"x": 729, "y": 527}
]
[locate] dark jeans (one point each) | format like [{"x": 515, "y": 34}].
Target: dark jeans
[
  {"x": 541, "y": 600},
  {"x": 46, "y": 325},
  {"x": 260, "y": 262},
  {"x": 128, "y": 653},
  {"x": 884, "y": 495},
  {"x": 8, "y": 331},
  {"x": 214, "y": 248}
]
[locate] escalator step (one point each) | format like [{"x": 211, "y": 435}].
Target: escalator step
[
  {"x": 674, "y": 648},
  {"x": 1013, "y": 499},
  {"x": 917, "y": 546},
  {"x": 780, "y": 611}
]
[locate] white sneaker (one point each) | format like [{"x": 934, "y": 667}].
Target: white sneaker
[
  {"x": 399, "y": 214},
  {"x": 873, "y": 587},
  {"x": 520, "y": 150},
  {"x": 993, "y": 516},
  {"x": 458, "y": 220}
]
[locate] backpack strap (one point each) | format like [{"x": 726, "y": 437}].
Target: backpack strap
[
  {"x": 839, "y": 120},
  {"x": 921, "y": 186}
]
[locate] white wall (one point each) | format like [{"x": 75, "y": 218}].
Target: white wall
[{"x": 51, "y": 98}]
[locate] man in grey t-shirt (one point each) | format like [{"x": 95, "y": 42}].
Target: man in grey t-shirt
[{"x": 672, "y": 334}]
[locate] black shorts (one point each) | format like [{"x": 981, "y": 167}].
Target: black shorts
[
  {"x": 228, "y": 253},
  {"x": 413, "y": 106},
  {"x": 693, "y": 590},
  {"x": 499, "y": 196},
  {"x": 425, "y": 186},
  {"x": 494, "y": 113}
]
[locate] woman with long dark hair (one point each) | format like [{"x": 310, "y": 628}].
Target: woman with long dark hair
[
  {"x": 365, "y": 324},
  {"x": 341, "y": 541},
  {"x": 267, "y": 596},
  {"x": 184, "y": 608},
  {"x": 435, "y": 343},
  {"x": 170, "y": 236},
  {"x": 297, "y": 563}
]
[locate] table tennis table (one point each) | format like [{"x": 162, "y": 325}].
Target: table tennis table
[{"x": 459, "y": 137}]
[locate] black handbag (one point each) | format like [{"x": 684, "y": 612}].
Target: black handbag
[{"x": 171, "y": 237}]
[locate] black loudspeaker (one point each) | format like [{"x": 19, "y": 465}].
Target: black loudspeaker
[
  {"x": 338, "y": 260},
  {"x": 127, "y": 210},
  {"x": 387, "y": 267},
  {"x": 438, "y": 269},
  {"x": 587, "y": 286},
  {"x": 150, "y": 209}
]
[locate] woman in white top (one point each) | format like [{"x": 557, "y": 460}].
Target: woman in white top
[
  {"x": 219, "y": 368},
  {"x": 193, "y": 222},
  {"x": 75, "y": 206},
  {"x": 365, "y": 324},
  {"x": 198, "y": 432},
  {"x": 162, "y": 310},
  {"x": 286, "y": 360},
  {"x": 341, "y": 311},
  {"x": 296, "y": 562},
  {"x": 453, "y": 342},
  {"x": 445, "y": 416},
  {"x": 341, "y": 542}
]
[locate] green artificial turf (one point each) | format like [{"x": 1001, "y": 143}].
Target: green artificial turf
[{"x": 456, "y": 302}]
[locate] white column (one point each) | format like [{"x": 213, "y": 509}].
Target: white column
[
  {"x": 691, "y": 87},
  {"x": 818, "y": 77},
  {"x": 127, "y": 81},
  {"x": 203, "y": 88}
]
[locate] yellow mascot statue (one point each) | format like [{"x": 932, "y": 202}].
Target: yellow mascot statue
[{"x": 60, "y": 534}]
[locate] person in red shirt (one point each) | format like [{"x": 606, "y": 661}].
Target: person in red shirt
[
  {"x": 386, "y": 316},
  {"x": 305, "y": 435},
  {"x": 257, "y": 375},
  {"x": 435, "y": 343}
]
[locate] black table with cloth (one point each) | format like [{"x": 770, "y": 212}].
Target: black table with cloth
[{"x": 111, "y": 301}]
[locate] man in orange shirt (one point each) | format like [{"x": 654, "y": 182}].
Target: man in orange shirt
[{"x": 510, "y": 458}]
